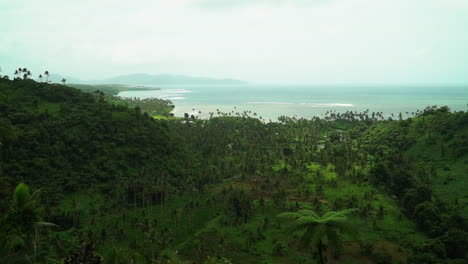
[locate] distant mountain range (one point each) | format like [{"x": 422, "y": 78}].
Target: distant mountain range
[
  {"x": 57, "y": 78},
  {"x": 149, "y": 79}
]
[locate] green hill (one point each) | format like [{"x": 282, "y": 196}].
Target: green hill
[
  {"x": 60, "y": 137},
  {"x": 434, "y": 144},
  {"x": 110, "y": 184}
]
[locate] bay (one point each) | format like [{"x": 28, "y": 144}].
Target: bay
[{"x": 271, "y": 101}]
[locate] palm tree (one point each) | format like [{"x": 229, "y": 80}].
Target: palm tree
[
  {"x": 123, "y": 256},
  {"x": 26, "y": 74},
  {"x": 24, "y": 216},
  {"x": 330, "y": 225},
  {"x": 64, "y": 80},
  {"x": 18, "y": 72},
  {"x": 40, "y": 77},
  {"x": 23, "y": 211},
  {"x": 46, "y": 73}
]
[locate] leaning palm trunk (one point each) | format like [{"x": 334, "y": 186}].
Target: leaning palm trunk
[{"x": 36, "y": 237}]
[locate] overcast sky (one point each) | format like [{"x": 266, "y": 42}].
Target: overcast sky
[{"x": 264, "y": 41}]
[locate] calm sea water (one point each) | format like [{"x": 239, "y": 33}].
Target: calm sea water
[{"x": 269, "y": 101}]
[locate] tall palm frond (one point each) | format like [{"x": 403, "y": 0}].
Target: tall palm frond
[
  {"x": 45, "y": 224},
  {"x": 316, "y": 228},
  {"x": 21, "y": 196}
]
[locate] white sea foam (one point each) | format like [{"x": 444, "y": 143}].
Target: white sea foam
[
  {"x": 173, "y": 94},
  {"x": 278, "y": 103},
  {"x": 175, "y": 91},
  {"x": 175, "y": 97},
  {"x": 307, "y": 104},
  {"x": 327, "y": 104}
]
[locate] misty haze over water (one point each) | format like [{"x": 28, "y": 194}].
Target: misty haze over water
[{"x": 271, "y": 101}]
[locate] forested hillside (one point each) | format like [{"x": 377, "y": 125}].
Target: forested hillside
[
  {"x": 63, "y": 140},
  {"x": 83, "y": 180}
]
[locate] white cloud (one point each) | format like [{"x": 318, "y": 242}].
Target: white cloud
[
  {"x": 243, "y": 3},
  {"x": 266, "y": 41}
]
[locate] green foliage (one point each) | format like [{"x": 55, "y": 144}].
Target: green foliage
[
  {"x": 21, "y": 197},
  {"x": 216, "y": 260},
  {"x": 86, "y": 254},
  {"x": 316, "y": 228},
  {"x": 121, "y": 187},
  {"x": 456, "y": 243},
  {"x": 123, "y": 256},
  {"x": 85, "y": 141},
  {"x": 152, "y": 106},
  {"x": 20, "y": 227},
  {"x": 238, "y": 208},
  {"x": 108, "y": 89}
]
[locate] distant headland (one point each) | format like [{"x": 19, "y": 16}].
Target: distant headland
[{"x": 152, "y": 79}]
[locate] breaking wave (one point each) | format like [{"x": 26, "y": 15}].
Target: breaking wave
[{"x": 307, "y": 104}]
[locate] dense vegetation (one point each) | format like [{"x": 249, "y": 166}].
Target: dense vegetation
[
  {"x": 87, "y": 180},
  {"x": 106, "y": 89},
  {"x": 158, "y": 108}
]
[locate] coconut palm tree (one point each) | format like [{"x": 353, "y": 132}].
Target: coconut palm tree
[
  {"x": 20, "y": 70},
  {"x": 23, "y": 210},
  {"x": 26, "y": 73},
  {"x": 317, "y": 228},
  {"x": 24, "y": 219},
  {"x": 40, "y": 77},
  {"x": 46, "y": 73},
  {"x": 18, "y": 73},
  {"x": 64, "y": 80}
]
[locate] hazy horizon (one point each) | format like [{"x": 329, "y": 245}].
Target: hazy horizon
[{"x": 321, "y": 42}]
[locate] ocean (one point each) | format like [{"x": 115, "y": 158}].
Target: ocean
[{"x": 271, "y": 101}]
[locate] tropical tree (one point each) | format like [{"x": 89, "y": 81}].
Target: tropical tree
[
  {"x": 86, "y": 254},
  {"x": 238, "y": 208},
  {"x": 46, "y": 73},
  {"x": 23, "y": 210},
  {"x": 329, "y": 226},
  {"x": 26, "y": 73},
  {"x": 216, "y": 260},
  {"x": 123, "y": 256},
  {"x": 64, "y": 80},
  {"x": 40, "y": 77},
  {"x": 20, "y": 71},
  {"x": 22, "y": 226}
]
